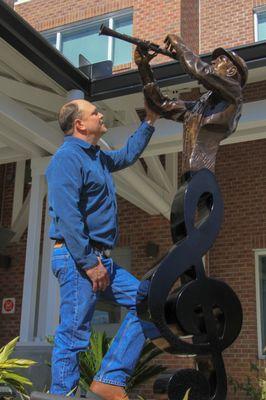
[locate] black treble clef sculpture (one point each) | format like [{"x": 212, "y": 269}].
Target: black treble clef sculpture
[
  {"x": 203, "y": 310},
  {"x": 184, "y": 311}
]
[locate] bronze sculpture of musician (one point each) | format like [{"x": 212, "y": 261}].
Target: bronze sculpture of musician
[
  {"x": 214, "y": 116},
  {"x": 202, "y": 308}
]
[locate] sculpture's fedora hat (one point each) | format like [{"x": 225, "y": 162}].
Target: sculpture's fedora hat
[{"x": 236, "y": 60}]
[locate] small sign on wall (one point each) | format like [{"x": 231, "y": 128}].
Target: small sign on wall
[{"x": 8, "y": 305}]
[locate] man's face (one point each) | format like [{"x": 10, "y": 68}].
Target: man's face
[
  {"x": 91, "y": 121},
  {"x": 223, "y": 66}
]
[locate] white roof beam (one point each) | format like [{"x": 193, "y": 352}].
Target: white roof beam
[
  {"x": 171, "y": 168},
  {"x": 31, "y": 95},
  {"x": 7, "y": 70},
  {"x": 18, "y": 142},
  {"x": 125, "y": 191},
  {"x": 27, "y": 70},
  {"x": 158, "y": 173},
  {"x": 31, "y": 127},
  {"x": 20, "y": 224},
  {"x": 9, "y": 156},
  {"x": 147, "y": 189}
]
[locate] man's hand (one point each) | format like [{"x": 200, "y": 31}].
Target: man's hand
[
  {"x": 99, "y": 277},
  {"x": 174, "y": 43},
  {"x": 143, "y": 57},
  {"x": 151, "y": 116}
]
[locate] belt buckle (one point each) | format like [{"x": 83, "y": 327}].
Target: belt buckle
[{"x": 107, "y": 253}]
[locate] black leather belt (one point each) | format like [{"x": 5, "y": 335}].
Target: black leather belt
[{"x": 100, "y": 248}]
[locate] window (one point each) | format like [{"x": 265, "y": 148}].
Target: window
[
  {"x": 261, "y": 300},
  {"x": 260, "y": 23},
  {"x": 83, "y": 38}
]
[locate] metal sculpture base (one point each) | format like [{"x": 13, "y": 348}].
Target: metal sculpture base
[{"x": 46, "y": 396}]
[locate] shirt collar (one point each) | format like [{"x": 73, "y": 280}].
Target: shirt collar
[{"x": 82, "y": 143}]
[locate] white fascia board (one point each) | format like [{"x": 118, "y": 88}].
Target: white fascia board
[{"x": 18, "y": 143}]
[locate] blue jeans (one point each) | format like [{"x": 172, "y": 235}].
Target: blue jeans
[{"x": 76, "y": 310}]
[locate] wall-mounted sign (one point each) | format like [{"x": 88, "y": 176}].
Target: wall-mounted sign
[{"x": 8, "y": 305}]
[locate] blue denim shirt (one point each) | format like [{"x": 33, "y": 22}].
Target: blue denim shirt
[{"x": 81, "y": 193}]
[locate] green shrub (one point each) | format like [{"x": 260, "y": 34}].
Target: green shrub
[
  {"x": 8, "y": 365},
  {"x": 252, "y": 391}
]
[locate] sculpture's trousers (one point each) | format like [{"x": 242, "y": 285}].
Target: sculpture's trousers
[{"x": 76, "y": 310}]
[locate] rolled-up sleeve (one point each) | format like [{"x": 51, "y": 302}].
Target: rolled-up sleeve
[{"x": 64, "y": 178}]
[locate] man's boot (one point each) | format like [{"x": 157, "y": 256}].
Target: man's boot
[{"x": 109, "y": 392}]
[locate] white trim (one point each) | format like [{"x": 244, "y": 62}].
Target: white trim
[
  {"x": 58, "y": 42},
  {"x": 256, "y": 11},
  {"x": 255, "y": 26},
  {"x": 21, "y": 1},
  {"x": 258, "y": 253},
  {"x": 110, "y": 40},
  {"x": 158, "y": 173}
]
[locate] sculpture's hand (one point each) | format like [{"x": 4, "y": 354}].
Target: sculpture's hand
[
  {"x": 143, "y": 57},
  {"x": 174, "y": 44}
]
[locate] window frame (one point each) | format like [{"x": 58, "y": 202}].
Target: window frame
[
  {"x": 258, "y": 254},
  {"x": 21, "y": 2},
  {"x": 257, "y": 11},
  {"x": 68, "y": 28}
]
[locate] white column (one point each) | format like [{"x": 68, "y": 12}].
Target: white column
[
  {"x": 28, "y": 315},
  {"x": 49, "y": 293}
]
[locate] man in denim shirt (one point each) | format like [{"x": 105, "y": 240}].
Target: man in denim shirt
[{"x": 83, "y": 210}]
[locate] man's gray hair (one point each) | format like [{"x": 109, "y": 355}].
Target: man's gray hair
[{"x": 67, "y": 115}]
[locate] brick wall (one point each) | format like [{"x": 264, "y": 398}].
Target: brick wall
[
  {"x": 227, "y": 23},
  {"x": 190, "y": 23}
]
